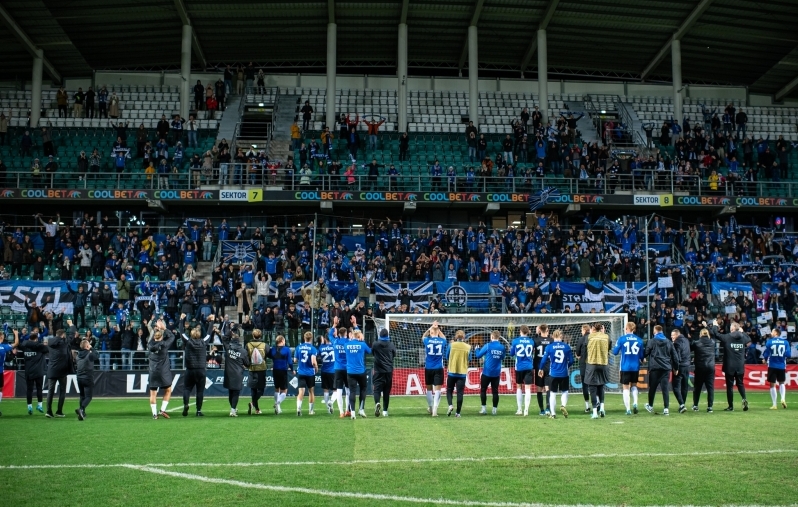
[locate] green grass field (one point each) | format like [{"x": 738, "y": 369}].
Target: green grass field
[{"x": 120, "y": 456}]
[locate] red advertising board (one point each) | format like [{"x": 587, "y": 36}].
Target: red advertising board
[{"x": 8, "y": 383}]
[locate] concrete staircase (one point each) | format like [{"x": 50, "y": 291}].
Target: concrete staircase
[
  {"x": 585, "y": 124},
  {"x": 285, "y": 111},
  {"x": 204, "y": 272},
  {"x": 230, "y": 118}
]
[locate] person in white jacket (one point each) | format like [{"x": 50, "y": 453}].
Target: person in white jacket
[{"x": 262, "y": 283}]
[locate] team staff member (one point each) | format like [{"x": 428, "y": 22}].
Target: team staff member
[
  {"x": 662, "y": 359},
  {"x": 327, "y": 353},
  {"x": 493, "y": 352},
  {"x": 434, "y": 346},
  {"x": 542, "y": 341},
  {"x": 523, "y": 349},
  {"x": 281, "y": 363},
  {"x": 305, "y": 357},
  {"x": 85, "y": 375},
  {"x": 34, "y": 352},
  {"x": 777, "y": 350},
  {"x": 384, "y": 352},
  {"x": 704, "y": 361},
  {"x": 581, "y": 355},
  {"x": 356, "y": 352},
  {"x": 195, "y": 351},
  {"x": 160, "y": 374},
  {"x": 734, "y": 345},
  {"x": 630, "y": 347},
  {"x": 60, "y": 366},
  {"x": 596, "y": 370},
  {"x": 257, "y": 352},
  {"x": 235, "y": 362},
  {"x": 682, "y": 347},
  {"x": 458, "y": 370}
]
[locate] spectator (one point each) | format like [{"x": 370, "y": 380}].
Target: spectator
[
  {"x": 79, "y": 98},
  {"x": 199, "y": 95},
  {"x": 404, "y": 145},
  {"x": 307, "y": 114},
  {"x": 61, "y": 101},
  {"x": 102, "y": 101},
  {"x": 113, "y": 106},
  {"x": 90, "y": 95},
  {"x": 373, "y": 130},
  {"x": 3, "y": 128}
]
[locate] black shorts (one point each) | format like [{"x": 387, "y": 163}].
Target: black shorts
[
  {"x": 328, "y": 381},
  {"x": 630, "y": 377},
  {"x": 280, "y": 379},
  {"x": 194, "y": 377},
  {"x": 433, "y": 377},
  {"x": 257, "y": 380},
  {"x": 308, "y": 381},
  {"x": 341, "y": 380},
  {"x": 557, "y": 384},
  {"x": 774, "y": 375},
  {"x": 524, "y": 377},
  {"x": 540, "y": 381}
]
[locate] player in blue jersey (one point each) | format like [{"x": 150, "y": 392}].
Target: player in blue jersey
[
  {"x": 434, "y": 348},
  {"x": 7, "y": 349},
  {"x": 559, "y": 357},
  {"x": 777, "y": 350},
  {"x": 494, "y": 353},
  {"x": 305, "y": 358},
  {"x": 327, "y": 353},
  {"x": 523, "y": 349},
  {"x": 341, "y": 382},
  {"x": 632, "y": 351},
  {"x": 542, "y": 340},
  {"x": 356, "y": 351},
  {"x": 281, "y": 363}
]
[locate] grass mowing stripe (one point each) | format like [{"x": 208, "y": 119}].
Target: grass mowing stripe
[
  {"x": 417, "y": 460},
  {"x": 357, "y": 496}
]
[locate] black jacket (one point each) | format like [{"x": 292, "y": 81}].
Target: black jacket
[
  {"x": 661, "y": 355},
  {"x": 160, "y": 372},
  {"x": 34, "y": 351},
  {"x": 85, "y": 370},
  {"x": 236, "y": 362},
  {"x": 581, "y": 350},
  {"x": 704, "y": 354},
  {"x": 733, "y": 345},
  {"x": 195, "y": 352},
  {"x": 384, "y": 352},
  {"x": 61, "y": 363},
  {"x": 682, "y": 346}
]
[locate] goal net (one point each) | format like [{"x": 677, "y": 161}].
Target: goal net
[{"x": 407, "y": 330}]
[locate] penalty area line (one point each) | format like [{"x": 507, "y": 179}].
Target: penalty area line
[{"x": 413, "y": 460}]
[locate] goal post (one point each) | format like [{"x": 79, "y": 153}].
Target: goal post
[{"x": 407, "y": 330}]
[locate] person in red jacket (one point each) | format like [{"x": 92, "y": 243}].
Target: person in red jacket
[{"x": 374, "y": 128}]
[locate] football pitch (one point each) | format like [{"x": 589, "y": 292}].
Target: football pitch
[{"x": 120, "y": 456}]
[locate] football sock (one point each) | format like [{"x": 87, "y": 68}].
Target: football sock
[
  {"x": 437, "y": 399},
  {"x": 602, "y": 407},
  {"x": 552, "y": 401},
  {"x": 326, "y": 397},
  {"x": 783, "y": 391},
  {"x": 30, "y": 407},
  {"x": 339, "y": 399},
  {"x": 773, "y": 395},
  {"x": 595, "y": 411},
  {"x": 587, "y": 405},
  {"x": 154, "y": 408},
  {"x": 540, "y": 400},
  {"x": 164, "y": 404},
  {"x": 310, "y": 407},
  {"x": 282, "y": 397},
  {"x": 429, "y": 398},
  {"x": 527, "y": 398},
  {"x": 298, "y": 405},
  {"x": 634, "y": 395},
  {"x": 564, "y": 399},
  {"x": 518, "y": 397},
  {"x": 276, "y": 398},
  {"x": 626, "y": 398}
]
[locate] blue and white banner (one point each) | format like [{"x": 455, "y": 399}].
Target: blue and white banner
[
  {"x": 725, "y": 289},
  {"x": 234, "y": 252},
  {"x": 634, "y": 294},
  {"x": 588, "y": 296},
  {"x": 391, "y": 293}
]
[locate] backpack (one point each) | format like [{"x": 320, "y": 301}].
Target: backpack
[{"x": 256, "y": 356}]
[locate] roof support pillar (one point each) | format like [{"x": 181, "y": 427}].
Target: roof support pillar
[
  {"x": 36, "y": 89},
  {"x": 332, "y": 57},
  {"x": 185, "y": 72},
  {"x": 543, "y": 75},
  {"x": 401, "y": 75},
  {"x": 473, "y": 76},
  {"x": 676, "y": 60}
]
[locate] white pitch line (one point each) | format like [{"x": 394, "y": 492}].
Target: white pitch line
[
  {"x": 415, "y": 460},
  {"x": 175, "y": 409},
  {"x": 351, "y": 495}
]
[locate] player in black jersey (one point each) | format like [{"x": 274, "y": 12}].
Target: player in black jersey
[{"x": 542, "y": 340}]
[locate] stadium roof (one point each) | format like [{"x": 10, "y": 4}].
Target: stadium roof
[{"x": 738, "y": 42}]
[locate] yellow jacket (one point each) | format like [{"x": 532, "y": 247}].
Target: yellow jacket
[
  {"x": 295, "y": 132},
  {"x": 598, "y": 347},
  {"x": 458, "y": 358},
  {"x": 324, "y": 137},
  {"x": 146, "y": 243}
]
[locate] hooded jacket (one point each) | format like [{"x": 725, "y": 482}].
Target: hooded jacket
[
  {"x": 704, "y": 354},
  {"x": 682, "y": 346},
  {"x": 661, "y": 354}
]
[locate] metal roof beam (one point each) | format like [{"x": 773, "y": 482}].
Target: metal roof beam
[
  {"x": 544, "y": 23},
  {"x": 403, "y": 16},
  {"x": 677, "y": 35},
  {"x": 330, "y": 11},
  {"x": 20, "y": 34},
  {"x": 474, "y": 21},
  {"x": 792, "y": 85},
  {"x": 195, "y": 44}
]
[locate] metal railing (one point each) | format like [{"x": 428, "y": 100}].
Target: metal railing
[{"x": 249, "y": 175}]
